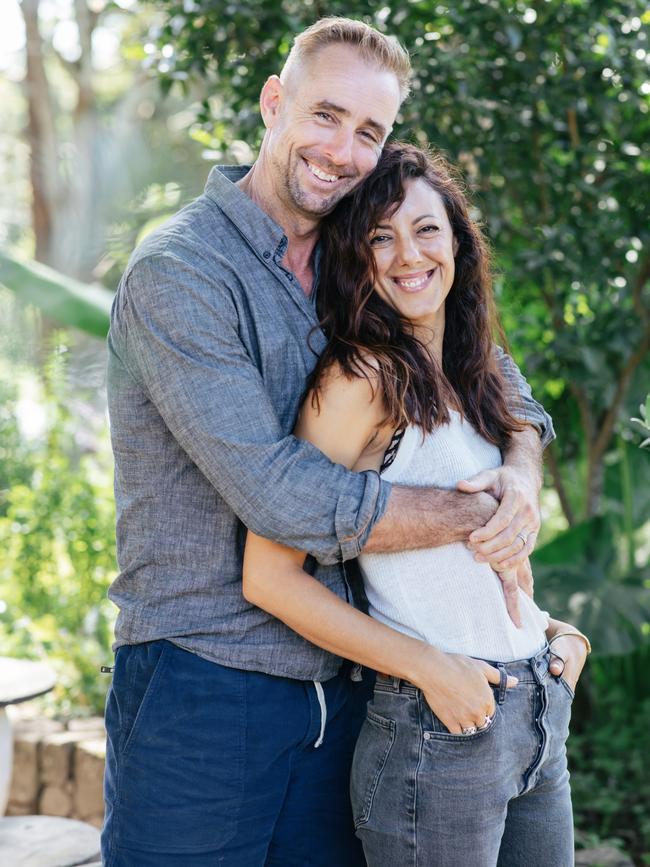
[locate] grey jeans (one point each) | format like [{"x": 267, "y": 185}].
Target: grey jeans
[{"x": 423, "y": 797}]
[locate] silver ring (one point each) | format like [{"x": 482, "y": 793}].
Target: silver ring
[
  {"x": 523, "y": 538},
  {"x": 487, "y": 723},
  {"x": 469, "y": 730}
]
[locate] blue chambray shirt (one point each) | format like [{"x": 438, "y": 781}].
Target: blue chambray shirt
[{"x": 210, "y": 345}]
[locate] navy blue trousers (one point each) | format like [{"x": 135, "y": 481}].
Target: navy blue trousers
[{"x": 208, "y": 765}]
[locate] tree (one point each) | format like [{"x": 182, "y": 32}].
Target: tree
[{"x": 546, "y": 105}]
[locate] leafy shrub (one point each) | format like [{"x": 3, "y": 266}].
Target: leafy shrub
[
  {"x": 57, "y": 543},
  {"x": 609, "y": 758}
]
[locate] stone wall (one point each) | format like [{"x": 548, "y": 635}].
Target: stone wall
[{"x": 58, "y": 769}]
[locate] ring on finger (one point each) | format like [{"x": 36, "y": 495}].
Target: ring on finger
[
  {"x": 469, "y": 730},
  {"x": 486, "y": 723},
  {"x": 524, "y": 539}
]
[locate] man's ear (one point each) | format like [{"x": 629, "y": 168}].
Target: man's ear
[{"x": 271, "y": 99}]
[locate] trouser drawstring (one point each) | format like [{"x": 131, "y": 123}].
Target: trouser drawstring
[{"x": 323, "y": 713}]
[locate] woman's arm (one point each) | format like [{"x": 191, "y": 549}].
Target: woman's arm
[
  {"x": 344, "y": 427},
  {"x": 455, "y": 686}
]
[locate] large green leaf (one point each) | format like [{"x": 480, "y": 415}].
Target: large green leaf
[
  {"x": 63, "y": 299},
  {"x": 580, "y": 576}
]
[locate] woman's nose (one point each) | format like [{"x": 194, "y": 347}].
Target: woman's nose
[{"x": 408, "y": 250}]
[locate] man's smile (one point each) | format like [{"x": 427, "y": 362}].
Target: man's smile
[{"x": 321, "y": 174}]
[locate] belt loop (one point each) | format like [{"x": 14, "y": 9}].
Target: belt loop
[
  {"x": 323, "y": 713},
  {"x": 503, "y": 680}
]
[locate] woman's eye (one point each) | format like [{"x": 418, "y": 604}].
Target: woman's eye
[
  {"x": 379, "y": 239},
  {"x": 430, "y": 229}
]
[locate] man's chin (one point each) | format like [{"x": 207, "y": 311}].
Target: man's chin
[{"x": 319, "y": 206}]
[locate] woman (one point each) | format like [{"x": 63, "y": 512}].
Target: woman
[{"x": 461, "y": 760}]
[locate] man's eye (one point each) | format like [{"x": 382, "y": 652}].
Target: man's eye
[
  {"x": 323, "y": 115},
  {"x": 369, "y": 135}
]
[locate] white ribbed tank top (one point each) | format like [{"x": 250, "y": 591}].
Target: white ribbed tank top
[{"x": 442, "y": 595}]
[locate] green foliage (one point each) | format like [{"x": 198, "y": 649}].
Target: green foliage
[
  {"x": 547, "y": 108},
  {"x": 65, "y": 300},
  {"x": 644, "y": 422},
  {"x": 57, "y": 539},
  {"x": 609, "y": 752},
  {"x": 583, "y": 576}
]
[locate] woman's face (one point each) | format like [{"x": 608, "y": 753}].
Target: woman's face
[{"x": 414, "y": 256}]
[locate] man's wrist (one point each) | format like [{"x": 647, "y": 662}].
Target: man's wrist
[
  {"x": 480, "y": 507},
  {"x": 523, "y": 455}
]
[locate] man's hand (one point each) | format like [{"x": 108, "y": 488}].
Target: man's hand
[
  {"x": 509, "y": 536},
  {"x": 525, "y": 578},
  {"x": 511, "y": 595},
  {"x": 512, "y": 580}
]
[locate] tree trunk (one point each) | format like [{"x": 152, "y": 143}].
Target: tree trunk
[{"x": 41, "y": 135}]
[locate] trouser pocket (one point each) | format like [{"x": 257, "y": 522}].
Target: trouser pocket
[{"x": 370, "y": 756}]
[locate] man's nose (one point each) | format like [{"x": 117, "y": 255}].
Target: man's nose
[{"x": 338, "y": 148}]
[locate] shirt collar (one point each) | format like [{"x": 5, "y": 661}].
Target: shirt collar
[{"x": 255, "y": 225}]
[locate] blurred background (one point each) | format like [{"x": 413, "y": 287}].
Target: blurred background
[{"x": 113, "y": 113}]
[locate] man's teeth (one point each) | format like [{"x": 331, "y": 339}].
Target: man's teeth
[
  {"x": 323, "y": 176},
  {"x": 415, "y": 283}
]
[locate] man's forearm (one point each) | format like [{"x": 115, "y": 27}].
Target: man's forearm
[
  {"x": 524, "y": 454},
  {"x": 427, "y": 518}
]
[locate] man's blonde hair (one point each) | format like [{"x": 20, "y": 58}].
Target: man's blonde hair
[{"x": 383, "y": 51}]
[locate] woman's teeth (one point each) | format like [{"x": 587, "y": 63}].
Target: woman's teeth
[{"x": 413, "y": 282}]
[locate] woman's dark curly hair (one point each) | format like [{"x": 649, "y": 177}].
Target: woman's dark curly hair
[{"x": 369, "y": 337}]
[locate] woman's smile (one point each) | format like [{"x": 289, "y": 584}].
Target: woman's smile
[{"x": 413, "y": 282}]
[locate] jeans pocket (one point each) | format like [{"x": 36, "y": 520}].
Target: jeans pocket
[
  {"x": 569, "y": 690},
  {"x": 370, "y": 756},
  {"x": 142, "y": 672},
  {"x": 435, "y": 729}
]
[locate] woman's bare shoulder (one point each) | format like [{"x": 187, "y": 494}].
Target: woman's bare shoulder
[{"x": 343, "y": 417}]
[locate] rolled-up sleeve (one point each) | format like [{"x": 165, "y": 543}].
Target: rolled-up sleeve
[
  {"x": 520, "y": 398},
  {"x": 177, "y": 332}
]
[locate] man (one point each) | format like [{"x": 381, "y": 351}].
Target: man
[{"x": 219, "y": 747}]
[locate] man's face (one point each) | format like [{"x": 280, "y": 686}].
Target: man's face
[{"x": 330, "y": 122}]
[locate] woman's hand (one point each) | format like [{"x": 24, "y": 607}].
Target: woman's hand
[
  {"x": 568, "y": 652},
  {"x": 457, "y": 688}
]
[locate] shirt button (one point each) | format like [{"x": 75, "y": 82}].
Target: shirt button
[
  {"x": 427, "y": 736},
  {"x": 291, "y": 277},
  {"x": 266, "y": 254}
]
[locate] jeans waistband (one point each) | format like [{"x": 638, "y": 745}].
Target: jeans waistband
[{"x": 531, "y": 670}]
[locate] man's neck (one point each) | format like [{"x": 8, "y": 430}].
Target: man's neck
[{"x": 302, "y": 232}]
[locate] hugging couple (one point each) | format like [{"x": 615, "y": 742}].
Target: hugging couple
[{"x": 302, "y": 372}]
